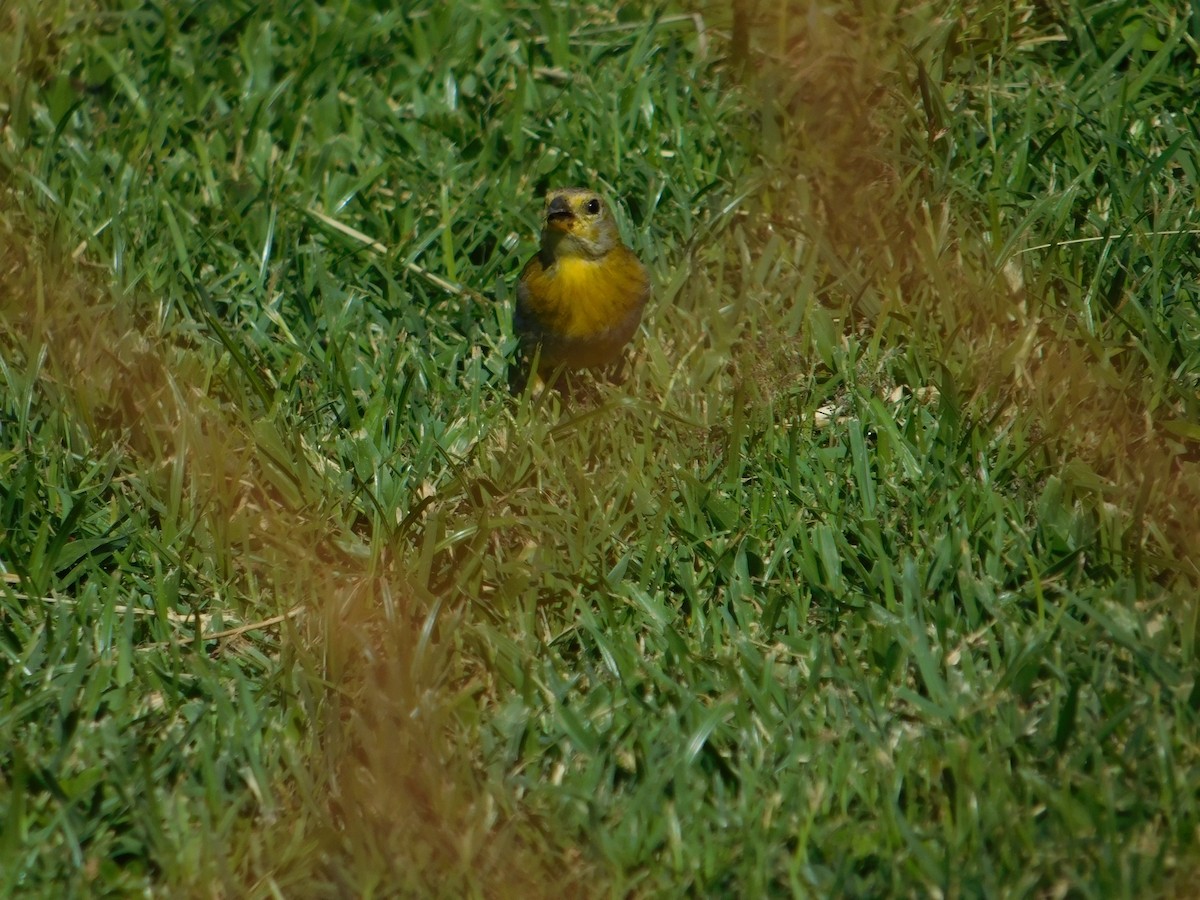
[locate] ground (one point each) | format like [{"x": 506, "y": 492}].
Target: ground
[{"x": 874, "y": 577}]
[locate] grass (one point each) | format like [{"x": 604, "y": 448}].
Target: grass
[{"x": 875, "y": 578}]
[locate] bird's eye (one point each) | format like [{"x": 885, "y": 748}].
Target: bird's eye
[{"x": 592, "y": 206}]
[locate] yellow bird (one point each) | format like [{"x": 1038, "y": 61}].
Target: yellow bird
[{"x": 580, "y": 299}]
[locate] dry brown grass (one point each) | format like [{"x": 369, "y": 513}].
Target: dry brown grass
[
  {"x": 388, "y": 777},
  {"x": 898, "y": 251}
]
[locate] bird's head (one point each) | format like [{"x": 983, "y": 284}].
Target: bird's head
[{"x": 578, "y": 223}]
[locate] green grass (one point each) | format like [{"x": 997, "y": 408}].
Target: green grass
[{"x": 875, "y": 578}]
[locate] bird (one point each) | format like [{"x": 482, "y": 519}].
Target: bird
[{"x": 580, "y": 298}]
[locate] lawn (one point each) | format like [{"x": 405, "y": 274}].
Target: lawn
[{"x": 876, "y": 577}]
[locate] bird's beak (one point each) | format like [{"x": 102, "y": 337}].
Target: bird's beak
[{"x": 559, "y": 214}]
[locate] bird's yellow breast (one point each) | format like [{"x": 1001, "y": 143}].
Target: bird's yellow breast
[{"x": 576, "y": 297}]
